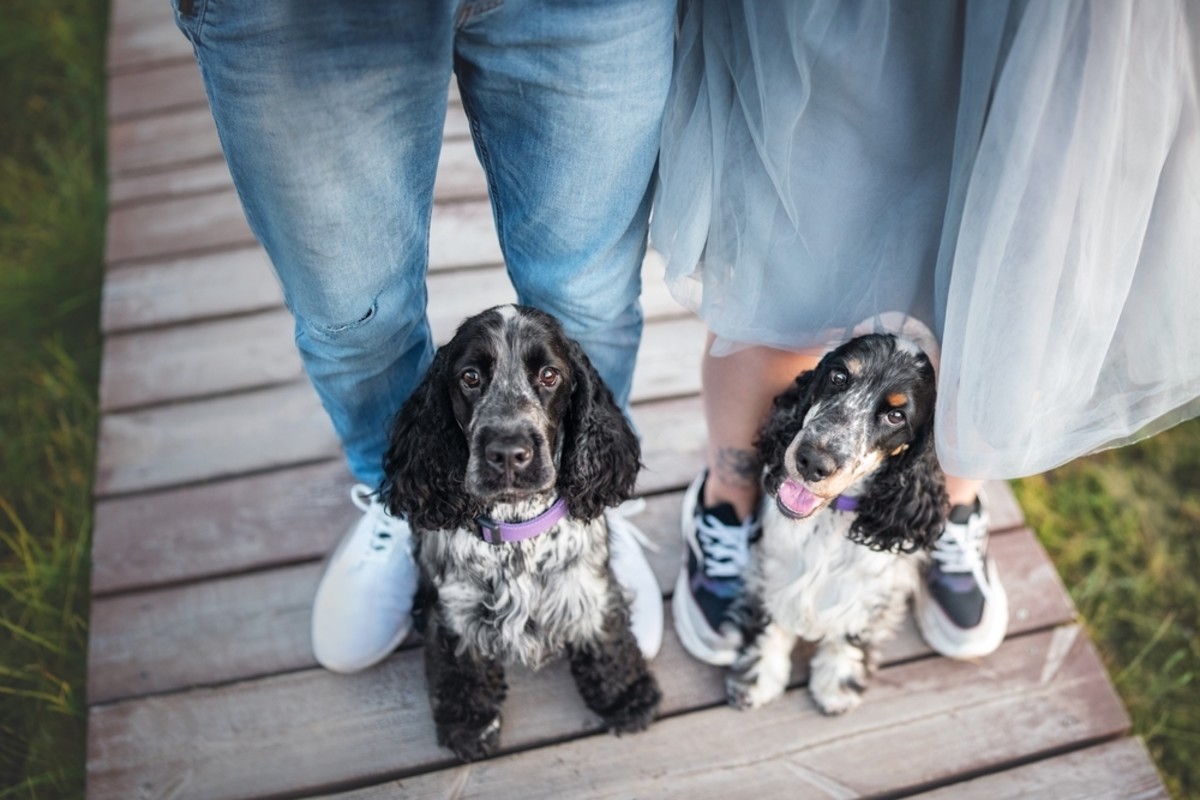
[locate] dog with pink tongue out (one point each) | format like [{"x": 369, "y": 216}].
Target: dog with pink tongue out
[{"x": 853, "y": 496}]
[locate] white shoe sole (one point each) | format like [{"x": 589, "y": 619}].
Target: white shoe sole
[
  {"x": 948, "y": 639},
  {"x": 685, "y": 610}
]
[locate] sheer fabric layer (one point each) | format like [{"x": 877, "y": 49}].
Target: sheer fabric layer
[{"x": 1022, "y": 178}]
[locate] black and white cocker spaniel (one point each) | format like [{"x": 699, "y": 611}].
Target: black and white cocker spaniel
[
  {"x": 504, "y": 460},
  {"x": 852, "y": 495}
]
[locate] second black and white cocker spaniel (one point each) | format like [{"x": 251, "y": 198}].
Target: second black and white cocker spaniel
[
  {"x": 504, "y": 460},
  {"x": 852, "y": 494}
]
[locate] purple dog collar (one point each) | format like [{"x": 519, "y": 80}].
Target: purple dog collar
[
  {"x": 494, "y": 532},
  {"x": 845, "y": 502}
]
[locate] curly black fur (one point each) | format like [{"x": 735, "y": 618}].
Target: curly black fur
[
  {"x": 612, "y": 678},
  {"x": 465, "y": 692},
  {"x": 601, "y": 455},
  {"x": 906, "y": 509},
  {"x": 426, "y": 461},
  {"x": 785, "y": 423}
]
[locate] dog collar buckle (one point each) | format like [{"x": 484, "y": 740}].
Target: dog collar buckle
[{"x": 497, "y": 533}]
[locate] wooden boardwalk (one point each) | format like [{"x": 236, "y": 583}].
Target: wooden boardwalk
[{"x": 220, "y": 488}]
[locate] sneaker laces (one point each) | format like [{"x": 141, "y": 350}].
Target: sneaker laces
[
  {"x": 961, "y": 549},
  {"x": 618, "y": 522},
  {"x": 726, "y": 548},
  {"x": 385, "y": 529}
]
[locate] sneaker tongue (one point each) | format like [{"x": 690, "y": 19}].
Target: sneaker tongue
[
  {"x": 724, "y": 514},
  {"x": 798, "y": 499}
]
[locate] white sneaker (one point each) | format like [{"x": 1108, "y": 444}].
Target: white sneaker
[
  {"x": 961, "y": 607},
  {"x": 633, "y": 572},
  {"x": 363, "y": 606}
]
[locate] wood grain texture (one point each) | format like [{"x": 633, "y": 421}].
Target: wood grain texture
[
  {"x": 187, "y": 135},
  {"x": 1118, "y": 770},
  {"x": 254, "y": 625},
  {"x": 212, "y": 529},
  {"x": 309, "y": 731},
  {"x": 188, "y": 289},
  {"x": 459, "y": 177},
  {"x": 271, "y": 428},
  {"x": 140, "y": 35},
  {"x": 1002, "y": 710},
  {"x": 196, "y": 288},
  {"x": 258, "y": 350},
  {"x": 461, "y": 234},
  {"x": 173, "y": 86}
]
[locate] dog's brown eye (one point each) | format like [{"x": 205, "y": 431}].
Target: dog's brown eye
[
  {"x": 548, "y": 377},
  {"x": 839, "y": 377},
  {"x": 895, "y": 417},
  {"x": 470, "y": 379}
]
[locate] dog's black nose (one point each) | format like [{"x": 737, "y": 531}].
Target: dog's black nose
[
  {"x": 509, "y": 454},
  {"x": 814, "y": 464}
]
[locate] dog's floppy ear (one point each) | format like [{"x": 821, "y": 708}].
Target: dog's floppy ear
[
  {"x": 787, "y": 418},
  {"x": 906, "y": 509},
  {"x": 601, "y": 455},
  {"x": 426, "y": 460}
]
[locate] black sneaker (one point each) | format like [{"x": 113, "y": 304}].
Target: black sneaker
[
  {"x": 716, "y": 554},
  {"x": 960, "y": 605}
]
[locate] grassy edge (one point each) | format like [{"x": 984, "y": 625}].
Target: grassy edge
[{"x": 52, "y": 210}]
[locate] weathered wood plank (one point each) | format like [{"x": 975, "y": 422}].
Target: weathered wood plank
[
  {"x": 277, "y": 427},
  {"x": 253, "y": 625},
  {"x": 212, "y": 529},
  {"x": 187, "y": 135},
  {"x": 461, "y": 234},
  {"x": 183, "y": 136},
  {"x": 238, "y": 281},
  {"x": 284, "y": 517},
  {"x": 1119, "y": 770},
  {"x": 312, "y": 730},
  {"x": 213, "y": 438},
  {"x": 188, "y": 289},
  {"x": 258, "y": 350},
  {"x": 176, "y": 226},
  {"x": 1003, "y": 711},
  {"x": 459, "y": 177},
  {"x": 141, "y": 34},
  {"x": 171, "y": 87}
]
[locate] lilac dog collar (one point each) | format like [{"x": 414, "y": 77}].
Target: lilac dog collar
[
  {"x": 845, "y": 502},
  {"x": 494, "y": 532}
]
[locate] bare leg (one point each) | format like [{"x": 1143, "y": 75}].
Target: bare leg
[
  {"x": 962, "y": 491},
  {"x": 737, "y": 393}
]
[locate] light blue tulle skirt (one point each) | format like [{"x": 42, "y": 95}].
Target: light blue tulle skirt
[{"x": 1022, "y": 178}]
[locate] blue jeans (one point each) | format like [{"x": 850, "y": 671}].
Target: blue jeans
[{"x": 330, "y": 115}]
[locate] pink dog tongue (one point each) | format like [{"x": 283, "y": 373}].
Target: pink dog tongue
[{"x": 797, "y": 499}]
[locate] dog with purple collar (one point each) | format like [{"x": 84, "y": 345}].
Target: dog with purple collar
[{"x": 504, "y": 460}]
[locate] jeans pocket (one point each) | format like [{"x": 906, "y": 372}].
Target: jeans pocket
[{"x": 189, "y": 17}]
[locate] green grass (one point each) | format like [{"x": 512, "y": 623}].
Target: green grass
[
  {"x": 52, "y": 207},
  {"x": 1123, "y": 527}
]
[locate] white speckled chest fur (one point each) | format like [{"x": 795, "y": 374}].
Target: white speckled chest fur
[
  {"x": 526, "y": 600},
  {"x": 817, "y": 583}
]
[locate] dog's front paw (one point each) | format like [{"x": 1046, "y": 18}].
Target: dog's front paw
[
  {"x": 838, "y": 690},
  {"x": 469, "y": 742},
  {"x": 746, "y": 692},
  {"x": 840, "y": 671},
  {"x": 636, "y": 707},
  {"x": 839, "y": 700}
]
